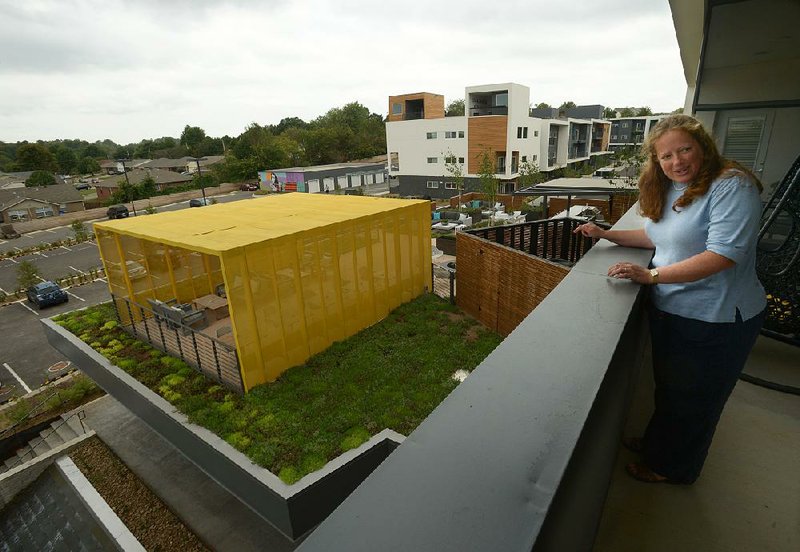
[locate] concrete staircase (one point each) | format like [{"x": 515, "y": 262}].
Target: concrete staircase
[{"x": 65, "y": 429}]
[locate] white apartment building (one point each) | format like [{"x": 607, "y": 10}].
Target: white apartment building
[{"x": 498, "y": 122}]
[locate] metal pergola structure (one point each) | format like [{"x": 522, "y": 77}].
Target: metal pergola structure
[{"x": 574, "y": 191}]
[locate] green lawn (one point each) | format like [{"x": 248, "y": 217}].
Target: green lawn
[{"x": 390, "y": 375}]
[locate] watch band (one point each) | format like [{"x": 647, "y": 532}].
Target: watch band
[{"x": 653, "y": 276}]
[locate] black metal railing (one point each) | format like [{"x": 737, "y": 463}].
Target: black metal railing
[
  {"x": 209, "y": 355},
  {"x": 550, "y": 239}
]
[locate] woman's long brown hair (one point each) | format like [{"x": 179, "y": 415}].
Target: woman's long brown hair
[{"x": 653, "y": 182}]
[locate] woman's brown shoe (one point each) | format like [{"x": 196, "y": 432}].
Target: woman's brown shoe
[{"x": 640, "y": 472}]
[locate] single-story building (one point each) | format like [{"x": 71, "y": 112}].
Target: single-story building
[
  {"x": 17, "y": 179},
  {"x": 163, "y": 179},
  {"x": 22, "y": 204},
  {"x": 323, "y": 178}
]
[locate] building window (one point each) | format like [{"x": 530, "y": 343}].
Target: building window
[
  {"x": 433, "y": 159},
  {"x": 450, "y": 134},
  {"x": 449, "y": 185},
  {"x": 460, "y": 133},
  {"x": 449, "y": 158},
  {"x": 624, "y": 124},
  {"x": 397, "y": 108},
  {"x": 519, "y": 132},
  {"x": 432, "y": 184},
  {"x": 431, "y": 136},
  {"x": 460, "y": 159},
  {"x": 18, "y": 215},
  {"x": 524, "y": 132},
  {"x": 43, "y": 212},
  {"x": 524, "y": 158},
  {"x": 535, "y": 133},
  {"x": 533, "y": 158}
]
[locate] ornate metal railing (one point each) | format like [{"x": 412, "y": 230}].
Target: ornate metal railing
[{"x": 778, "y": 258}]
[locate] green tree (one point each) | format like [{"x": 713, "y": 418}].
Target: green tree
[
  {"x": 529, "y": 175},
  {"x": 27, "y": 274},
  {"x": 88, "y": 165},
  {"x": 94, "y": 151},
  {"x": 455, "y": 108},
  {"x": 609, "y": 113},
  {"x": 80, "y": 231},
  {"x": 456, "y": 172},
  {"x": 643, "y": 111},
  {"x": 146, "y": 188},
  {"x": 192, "y": 137},
  {"x": 487, "y": 176},
  {"x": 626, "y": 112},
  {"x": 40, "y": 178},
  {"x": 35, "y": 157},
  {"x": 543, "y": 105},
  {"x": 65, "y": 160},
  {"x": 566, "y": 105}
]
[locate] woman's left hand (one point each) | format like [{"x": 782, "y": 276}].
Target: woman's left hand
[{"x": 630, "y": 271}]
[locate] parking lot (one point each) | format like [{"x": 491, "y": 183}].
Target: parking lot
[{"x": 26, "y": 356}]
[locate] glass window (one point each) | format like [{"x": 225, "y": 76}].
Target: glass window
[
  {"x": 397, "y": 108},
  {"x": 535, "y": 133},
  {"x": 524, "y": 132},
  {"x": 501, "y": 99},
  {"x": 460, "y": 159},
  {"x": 524, "y": 158},
  {"x": 533, "y": 158},
  {"x": 43, "y": 212},
  {"x": 450, "y": 134},
  {"x": 460, "y": 133},
  {"x": 519, "y": 132},
  {"x": 18, "y": 215},
  {"x": 450, "y": 185},
  {"x": 431, "y": 135},
  {"x": 433, "y": 184},
  {"x": 433, "y": 160}
]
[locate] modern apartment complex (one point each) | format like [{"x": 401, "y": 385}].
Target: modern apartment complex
[
  {"x": 629, "y": 132},
  {"x": 497, "y": 123}
]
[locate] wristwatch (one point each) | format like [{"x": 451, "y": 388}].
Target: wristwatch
[{"x": 653, "y": 276}]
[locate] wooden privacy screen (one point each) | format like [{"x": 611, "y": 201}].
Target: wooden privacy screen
[{"x": 500, "y": 286}]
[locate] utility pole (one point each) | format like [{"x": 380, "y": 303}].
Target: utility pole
[
  {"x": 199, "y": 174},
  {"x": 128, "y": 189}
]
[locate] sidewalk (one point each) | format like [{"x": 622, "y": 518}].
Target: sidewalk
[{"x": 215, "y": 515}]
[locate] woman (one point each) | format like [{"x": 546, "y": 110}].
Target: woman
[{"x": 707, "y": 305}]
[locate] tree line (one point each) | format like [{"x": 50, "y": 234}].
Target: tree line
[{"x": 342, "y": 134}]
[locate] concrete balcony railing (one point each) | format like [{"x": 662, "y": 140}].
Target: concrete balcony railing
[{"x": 520, "y": 455}]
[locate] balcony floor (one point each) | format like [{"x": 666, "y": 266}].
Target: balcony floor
[{"x": 748, "y": 496}]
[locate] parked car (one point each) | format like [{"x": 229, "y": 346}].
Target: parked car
[
  {"x": 7, "y": 232},
  {"x": 117, "y": 212},
  {"x": 47, "y": 293},
  {"x": 249, "y": 187},
  {"x": 82, "y": 186},
  {"x": 199, "y": 202}
]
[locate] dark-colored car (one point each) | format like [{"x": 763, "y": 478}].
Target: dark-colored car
[
  {"x": 82, "y": 186},
  {"x": 249, "y": 187},
  {"x": 199, "y": 202},
  {"x": 117, "y": 212},
  {"x": 47, "y": 293}
]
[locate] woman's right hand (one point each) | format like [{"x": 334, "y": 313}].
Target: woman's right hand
[{"x": 590, "y": 230}]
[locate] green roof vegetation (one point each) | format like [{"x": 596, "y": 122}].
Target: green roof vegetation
[{"x": 390, "y": 375}]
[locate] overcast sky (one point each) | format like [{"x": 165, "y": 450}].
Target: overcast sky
[{"x": 128, "y": 70}]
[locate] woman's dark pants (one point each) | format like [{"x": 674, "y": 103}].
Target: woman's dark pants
[{"x": 696, "y": 365}]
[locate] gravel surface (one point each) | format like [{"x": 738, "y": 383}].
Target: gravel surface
[{"x": 146, "y": 516}]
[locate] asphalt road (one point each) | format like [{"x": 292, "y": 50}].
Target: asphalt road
[{"x": 25, "y": 356}]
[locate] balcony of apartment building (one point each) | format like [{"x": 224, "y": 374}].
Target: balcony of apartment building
[
  {"x": 488, "y": 103},
  {"x": 525, "y": 454},
  {"x": 414, "y": 109}
]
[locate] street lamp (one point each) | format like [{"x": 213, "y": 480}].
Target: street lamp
[
  {"x": 199, "y": 174},
  {"x": 128, "y": 190}
]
